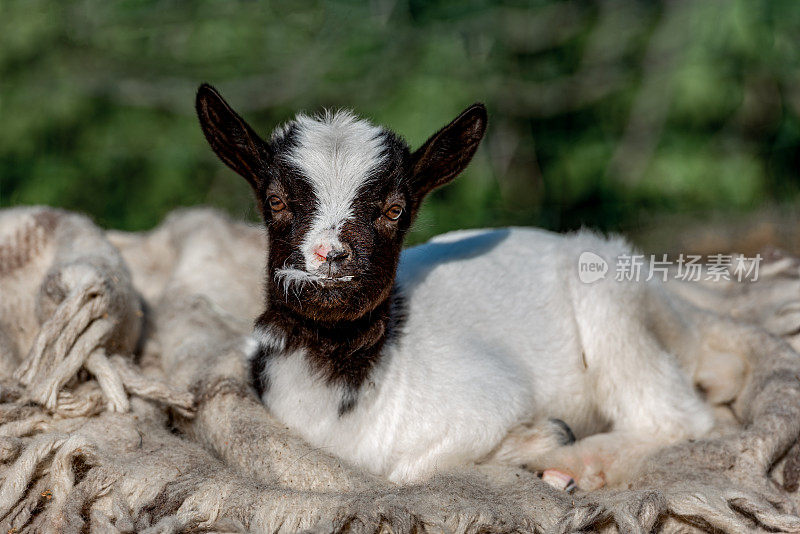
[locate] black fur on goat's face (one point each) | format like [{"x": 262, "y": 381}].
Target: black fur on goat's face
[
  {"x": 352, "y": 218},
  {"x": 338, "y": 195}
]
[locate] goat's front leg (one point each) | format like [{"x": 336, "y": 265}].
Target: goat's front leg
[
  {"x": 601, "y": 459},
  {"x": 532, "y": 440}
]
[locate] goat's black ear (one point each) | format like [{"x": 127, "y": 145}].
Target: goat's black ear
[
  {"x": 448, "y": 151},
  {"x": 231, "y": 138}
]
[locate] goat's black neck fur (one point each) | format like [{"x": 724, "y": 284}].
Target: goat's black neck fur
[{"x": 344, "y": 352}]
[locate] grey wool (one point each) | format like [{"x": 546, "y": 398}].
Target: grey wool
[{"x": 125, "y": 407}]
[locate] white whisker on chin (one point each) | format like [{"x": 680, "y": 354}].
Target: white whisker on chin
[{"x": 290, "y": 276}]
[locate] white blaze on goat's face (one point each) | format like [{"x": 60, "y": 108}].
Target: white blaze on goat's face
[{"x": 337, "y": 153}]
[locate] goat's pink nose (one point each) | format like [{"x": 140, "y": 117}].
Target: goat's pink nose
[{"x": 321, "y": 251}]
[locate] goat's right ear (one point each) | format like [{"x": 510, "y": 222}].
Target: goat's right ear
[{"x": 231, "y": 138}]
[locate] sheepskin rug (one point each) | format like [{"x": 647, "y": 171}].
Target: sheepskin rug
[{"x": 125, "y": 407}]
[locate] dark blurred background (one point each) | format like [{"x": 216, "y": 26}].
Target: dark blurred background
[{"x": 672, "y": 121}]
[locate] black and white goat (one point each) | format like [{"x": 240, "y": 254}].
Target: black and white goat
[{"x": 477, "y": 346}]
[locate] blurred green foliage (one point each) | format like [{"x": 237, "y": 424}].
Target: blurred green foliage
[{"x": 601, "y": 113}]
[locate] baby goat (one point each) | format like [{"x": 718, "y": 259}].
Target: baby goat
[{"x": 477, "y": 346}]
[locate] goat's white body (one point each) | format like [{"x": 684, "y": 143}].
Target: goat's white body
[{"x": 499, "y": 332}]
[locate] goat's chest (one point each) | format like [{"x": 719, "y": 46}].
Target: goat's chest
[{"x": 323, "y": 412}]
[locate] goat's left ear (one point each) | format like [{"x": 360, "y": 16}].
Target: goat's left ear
[{"x": 448, "y": 151}]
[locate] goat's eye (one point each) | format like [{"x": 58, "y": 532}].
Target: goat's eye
[
  {"x": 394, "y": 212},
  {"x": 275, "y": 203}
]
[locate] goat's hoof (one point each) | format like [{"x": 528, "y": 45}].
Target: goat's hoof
[{"x": 559, "y": 480}]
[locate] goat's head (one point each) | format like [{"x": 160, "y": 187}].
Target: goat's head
[{"x": 338, "y": 195}]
